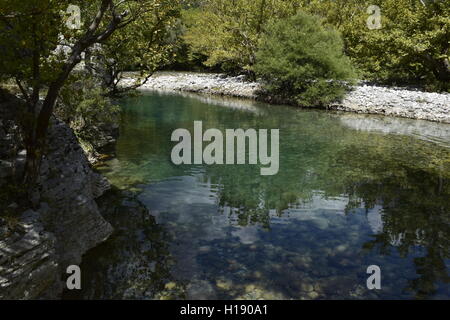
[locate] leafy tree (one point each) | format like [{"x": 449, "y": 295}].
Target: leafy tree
[
  {"x": 144, "y": 45},
  {"x": 302, "y": 62},
  {"x": 412, "y": 44},
  {"x": 227, "y": 32},
  {"x": 39, "y": 51}
]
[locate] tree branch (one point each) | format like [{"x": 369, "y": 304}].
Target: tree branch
[{"x": 23, "y": 91}]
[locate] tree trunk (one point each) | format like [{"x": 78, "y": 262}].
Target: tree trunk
[
  {"x": 32, "y": 166},
  {"x": 35, "y": 140},
  {"x": 36, "y": 137}
]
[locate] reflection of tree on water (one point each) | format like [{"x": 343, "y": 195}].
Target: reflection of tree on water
[
  {"x": 412, "y": 183},
  {"x": 413, "y": 191},
  {"x": 415, "y": 214}
]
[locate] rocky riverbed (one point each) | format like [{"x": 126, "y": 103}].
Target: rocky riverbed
[{"x": 364, "y": 98}]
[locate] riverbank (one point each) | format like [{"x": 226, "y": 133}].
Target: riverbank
[{"x": 364, "y": 98}]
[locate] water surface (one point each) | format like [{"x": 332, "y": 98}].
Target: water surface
[{"x": 351, "y": 191}]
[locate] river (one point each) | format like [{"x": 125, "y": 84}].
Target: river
[{"x": 352, "y": 191}]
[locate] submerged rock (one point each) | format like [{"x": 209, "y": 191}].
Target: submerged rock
[{"x": 200, "y": 290}]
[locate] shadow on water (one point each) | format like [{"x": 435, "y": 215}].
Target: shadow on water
[{"x": 344, "y": 198}]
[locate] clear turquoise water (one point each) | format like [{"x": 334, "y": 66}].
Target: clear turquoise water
[{"x": 352, "y": 191}]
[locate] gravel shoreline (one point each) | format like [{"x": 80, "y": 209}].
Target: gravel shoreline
[{"x": 390, "y": 101}]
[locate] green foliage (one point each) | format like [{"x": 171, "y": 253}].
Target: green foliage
[
  {"x": 146, "y": 45},
  {"x": 227, "y": 32},
  {"x": 412, "y": 45},
  {"x": 37, "y": 35},
  {"x": 29, "y": 28},
  {"x": 85, "y": 107},
  {"x": 184, "y": 58},
  {"x": 302, "y": 61}
]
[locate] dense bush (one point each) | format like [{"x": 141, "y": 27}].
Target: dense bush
[{"x": 302, "y": 62}]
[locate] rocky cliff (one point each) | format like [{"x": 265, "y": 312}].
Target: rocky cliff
[{"x": 36, "y": 246}]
